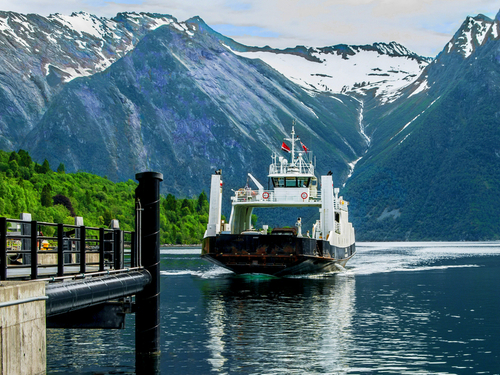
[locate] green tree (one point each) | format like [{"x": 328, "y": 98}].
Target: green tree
[
  {"x": 170, "y": 203},
  {"x": 202, "y": 203},
  {"x": 254, "y": 220},
  {"x": 186, "y": 206},
  {"x": 25, "y": 173},
  {"x": 24, "y": 159},
  {"x": 14, "y": 168},
  {"x": 13, "y": 156},
  {"x": 107, "y": 217},
  {"x": 61, "y": 168},
  {"x": 46, "y": 196},
  {"x": 45, "y": 167}
]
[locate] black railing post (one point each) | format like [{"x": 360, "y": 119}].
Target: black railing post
[
  {"x": 25, "y": 241},
  {"x": 3, "y": 248},
  {"x": 147, "y": 316},
  {"x": 34, "y": 250},
  {"x": 83, "y": 258},
  {"x": 60, "y": 249},
  {"x": 118, "y": 249},
  {"x": 133, "y": 251},
  {"x": 101, "y": 249}
]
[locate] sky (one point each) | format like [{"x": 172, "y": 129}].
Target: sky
[{"x": 423, "y": 26}]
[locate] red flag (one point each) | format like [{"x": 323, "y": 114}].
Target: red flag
[
  {"x": 284, "y": 147},
  {"x": 304, "y": 147}
]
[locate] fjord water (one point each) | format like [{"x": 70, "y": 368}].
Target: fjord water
[{"x": 399, "y": 308}]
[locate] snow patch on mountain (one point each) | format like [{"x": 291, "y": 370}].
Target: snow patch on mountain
[
  {"x": 82, "y": 23},
  {"x": 362, "y": 125},
  {"x": 352, "y": 165},
  {"x": 421, "y": 86},
  {"x": 381, "y": 69},
  {"x": 407, "y": 135},
  {"x": 310, "y": 109},
  {"x": 8, "y": 30}
]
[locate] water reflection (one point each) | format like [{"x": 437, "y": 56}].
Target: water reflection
[
  {"x": 286, "y": 325},
  {"x": 85, "y": 351}
]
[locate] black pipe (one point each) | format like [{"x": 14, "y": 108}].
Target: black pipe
[
  {"x": 72, "y": 295},
  {"x": 147, "y": 316}
]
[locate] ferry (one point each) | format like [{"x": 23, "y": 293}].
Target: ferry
[{"x": 239, "y": 247}]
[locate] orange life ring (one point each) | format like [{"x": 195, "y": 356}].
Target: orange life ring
[
  {"x": 303, "y": 195},
  {"x": 265, "y": 195}
]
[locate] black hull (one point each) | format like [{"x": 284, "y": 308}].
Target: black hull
[{"x": 277, "y": 255}]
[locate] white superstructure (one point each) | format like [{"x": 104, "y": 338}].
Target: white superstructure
[{"x": 294, "y": 185}]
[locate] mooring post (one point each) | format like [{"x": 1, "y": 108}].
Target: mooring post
[{"x": 147, "y": 314}]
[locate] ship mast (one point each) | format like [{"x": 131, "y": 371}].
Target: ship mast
[{"x": 292, "y": 140}]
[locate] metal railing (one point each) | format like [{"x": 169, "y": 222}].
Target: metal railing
[
  {"x": 27, "y": 253},
  {"x": 250, "y": 195},
  {"x": 341, "y": 205}
]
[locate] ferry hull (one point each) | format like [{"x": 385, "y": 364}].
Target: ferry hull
[{"x": 277, "y": 255}]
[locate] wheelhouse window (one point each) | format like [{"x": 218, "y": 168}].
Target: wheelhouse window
[
  {"x": 291, "y": 181},
  {"x": 303, "y": 181},
  {"x": 278, "y": 181}
]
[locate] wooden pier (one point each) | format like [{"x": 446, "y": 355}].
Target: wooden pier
[{"x": 86, "y": 277}]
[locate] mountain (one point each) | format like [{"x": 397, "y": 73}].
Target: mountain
[
  {"x": 433, "y": 171},
  {"x": 413, "y": 141},
  {"x": 182, "y": 103},
  {"x": 58, "y": 49},
  {"x": 40, "y": 54}
]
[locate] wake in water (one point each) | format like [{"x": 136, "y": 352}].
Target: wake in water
[
  {"x": 210, "y": 273},
  {"x": 180, "y": 250},
  {"x": 371, "y": 258},
  {"x": 385, "y": 257}
]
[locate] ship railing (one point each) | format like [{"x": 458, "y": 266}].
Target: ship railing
[
  {"x": 340, "y": 205},
  {"x": 250, "y": 195},
  {"x": 302, "y": 168}
]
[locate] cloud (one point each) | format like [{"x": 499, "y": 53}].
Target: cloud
[
  {"x": 250, "y": 31},
  {"x": 424, "y": 26}
]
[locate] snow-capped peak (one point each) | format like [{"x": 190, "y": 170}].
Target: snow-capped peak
[
  {"x": 80, "y": 44},
  {"x": 473, "y": 33},
  {"x": 381, "y": 69}
]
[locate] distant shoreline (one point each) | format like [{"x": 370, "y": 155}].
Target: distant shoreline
[{"x": 177, "y": 245}]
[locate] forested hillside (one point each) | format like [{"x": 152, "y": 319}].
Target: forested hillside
[{"x": 26, "y": 186}]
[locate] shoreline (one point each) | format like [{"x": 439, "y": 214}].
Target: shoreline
[{"x": 177, "y": 245}]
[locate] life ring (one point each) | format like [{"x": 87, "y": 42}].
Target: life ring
[
  {"x": 265, "y": 195},
  {"x": 303, "y": 195}
]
